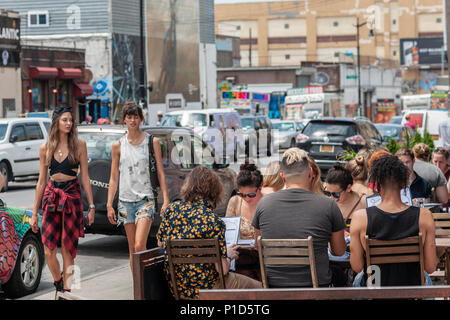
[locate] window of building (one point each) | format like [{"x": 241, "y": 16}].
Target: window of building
[
  {"x": 394, "y": 53},
  {"x": 288, "y": 56},
  {"x": 38, "y": 19},
  {"x": 394, "y": 21},
  {"x": 438, "y": 20},
  {"x": 238, "y": 27},
  {"x": 335, "y": 24},
  {"x": 286, "y": 26}
]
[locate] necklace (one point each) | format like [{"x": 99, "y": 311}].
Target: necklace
[{"x": 60, "y": 153}]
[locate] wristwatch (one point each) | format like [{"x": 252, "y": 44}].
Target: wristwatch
[{"x": 92, "y": 206}]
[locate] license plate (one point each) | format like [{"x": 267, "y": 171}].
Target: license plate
[{"x": 326, "y": 148}]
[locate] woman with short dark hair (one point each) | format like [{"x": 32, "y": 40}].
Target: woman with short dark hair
[
  {"x": 194, "y": 218},
  {"x": 130, "y": 164}
]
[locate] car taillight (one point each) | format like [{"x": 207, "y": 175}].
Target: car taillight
[
  {"x": 302, "y": 138},
  {"x": 356, "y": 140}
]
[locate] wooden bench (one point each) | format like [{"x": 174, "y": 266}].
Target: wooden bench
[{"x": 365, "y": 293}]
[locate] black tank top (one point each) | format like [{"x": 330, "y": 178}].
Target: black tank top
[
  {"x": 63, "y": 167},
  {"x": 382, "y": 225}
]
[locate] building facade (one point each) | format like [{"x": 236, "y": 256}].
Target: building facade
[{"x": 290, "y": 32}]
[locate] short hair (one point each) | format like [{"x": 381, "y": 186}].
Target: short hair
[
  {"x": 294, "y": 163},
  {"x": 271, "y": 177},
  {"x": 443, "y": 151},
  {"x": 339, "y": 175},
  {"x": 203, "y": 183},
  {"x": 388, "y": 170},
  {"x": 131, "y": 108},
  {"x": 377, "y": 155},
  {"x": 358, "y": 168},
  {"x": 422, "y": 152},
  {"x": 405, "y": 152},
  {"x": 249, "y": 176}
]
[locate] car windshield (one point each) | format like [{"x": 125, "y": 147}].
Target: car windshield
[
  {"x": 321, "y": 129},
  {"x": 248, "y": 123},
  {"x": 99, "y": 144},
  {"x": 3, "y": 128},
  {"x": 389, "y": 131},
  {"x": 396, "y": 120},
  {"x": 284, "y": 126},
  {"x": 171, "y": 120}
]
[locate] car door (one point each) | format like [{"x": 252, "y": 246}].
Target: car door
[
  {"x": 35, "y": 138},
  {"x": 18, "y": 153}
]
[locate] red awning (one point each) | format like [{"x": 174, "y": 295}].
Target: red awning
[
  {"x": 82, "y": 89},
  {"x": 69, "y": 73},
  {"x": 43, "y": 73}
]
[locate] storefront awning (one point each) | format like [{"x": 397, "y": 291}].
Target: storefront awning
[
  {"x": 82, "y": 89},
  {"x": 43, "y": 73},
  {"x": 69, "y": 73}
]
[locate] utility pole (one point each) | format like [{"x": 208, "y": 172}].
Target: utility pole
[
  {"x": 446, "y": 9},
  {"x": 142, "y": 82},
  {"x": 360, "y": 108},
  {"x": 250, "y": 48}
]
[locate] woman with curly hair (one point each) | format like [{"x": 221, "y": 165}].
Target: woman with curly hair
[
  {"x": 392, "y": 220},
  {"x": 194, "y": 218}
]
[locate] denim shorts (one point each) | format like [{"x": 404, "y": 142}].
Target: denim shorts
[{"x": 131, "y": 212}]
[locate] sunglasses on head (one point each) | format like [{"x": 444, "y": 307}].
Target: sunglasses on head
[
  {"x": 440, "y": 150},
  {"x": 336, "y": 195},
  {"x": 243, "y": 195}
]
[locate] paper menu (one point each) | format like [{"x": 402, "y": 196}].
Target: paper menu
[
  {"x": 375, "y": 200},
  {"x": 233, "y": 225}
]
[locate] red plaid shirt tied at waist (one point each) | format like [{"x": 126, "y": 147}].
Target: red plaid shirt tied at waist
[{"x": 62, "y": 200}]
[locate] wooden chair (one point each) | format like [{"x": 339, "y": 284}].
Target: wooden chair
[
  {"x": 287, "y": 252},
  {"x": 188, "y": 251},
  {"x": 442, "y": 225},
  {"x": 149, "y": 281},
  {"x": 398, "y": 251}
]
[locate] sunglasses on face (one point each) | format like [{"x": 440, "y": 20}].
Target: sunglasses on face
[
  {"x": 335, "y": 195},
  {"x": 243, "y": 195}
]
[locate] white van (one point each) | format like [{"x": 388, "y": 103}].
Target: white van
[
  {"x": 426, "y": 119},
  {"x": 206, "y": 122}
]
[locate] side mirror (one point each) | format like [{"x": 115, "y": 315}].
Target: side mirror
[{"x": 13, "y": 139}]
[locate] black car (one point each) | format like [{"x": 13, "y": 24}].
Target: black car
[
  {"x": 257, "y": 131},
  {"x": 182, "y": 150},
  {"x": 327, "y": 139}
]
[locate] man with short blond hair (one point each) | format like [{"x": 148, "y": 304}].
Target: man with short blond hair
[{"x": 296, "y": 213}]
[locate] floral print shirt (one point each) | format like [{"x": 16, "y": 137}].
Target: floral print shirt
[{"x": 192, "y": 220}]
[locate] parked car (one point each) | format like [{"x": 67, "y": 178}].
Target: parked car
[
  {"x": 182, "y": 150},
  {"x": 21, "y": 252},
  {"x": 20, "y": 139},
  {"x": 257, "y": 129},
  {"x": 207, "y": 123},
  {"x": 285, "y": 133},
  {"x": 327, "y": 138},
  {"x": 394, "y": 131},
  {"x": 396, "y": 120}
]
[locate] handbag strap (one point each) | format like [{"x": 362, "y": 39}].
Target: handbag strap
[{"x": 150, "y": 145}]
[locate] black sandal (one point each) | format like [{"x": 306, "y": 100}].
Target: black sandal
[{"x": 59, "y": 285}]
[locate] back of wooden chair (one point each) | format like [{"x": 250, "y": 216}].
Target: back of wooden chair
[
  {"x": 287, "y": 252},
  {"x": 189, "y": 251},
  {"x": 397, "y": 251},
  {"x": 149, "y": 281},
  {"x": 442, "y": 223}
]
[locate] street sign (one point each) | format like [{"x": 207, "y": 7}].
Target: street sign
[{"x": 352, "y": 77}]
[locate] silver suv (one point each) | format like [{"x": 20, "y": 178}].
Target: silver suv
[{"x": 20, "y": 139}]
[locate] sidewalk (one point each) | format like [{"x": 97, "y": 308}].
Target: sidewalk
[{"x": 113, "y": 284}]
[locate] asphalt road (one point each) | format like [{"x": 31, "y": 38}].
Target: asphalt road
[{"x": 96, "y": 253}]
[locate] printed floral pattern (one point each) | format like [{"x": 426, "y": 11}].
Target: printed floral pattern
[{"x": 192, "y": 220}]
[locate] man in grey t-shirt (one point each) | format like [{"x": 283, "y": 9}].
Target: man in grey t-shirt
[{"x": 296, "y": 213}]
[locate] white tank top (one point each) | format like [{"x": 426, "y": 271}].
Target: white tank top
[{"x": 134, "y": 171}]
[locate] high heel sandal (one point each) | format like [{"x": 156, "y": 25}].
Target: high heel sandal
[{"x": 59, "y": 285}]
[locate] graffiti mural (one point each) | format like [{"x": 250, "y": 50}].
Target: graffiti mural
[
  {"x": 126, "y": 58},
  {"x": 173, "y": 49},
  {"x": 14, "y": 224}
]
